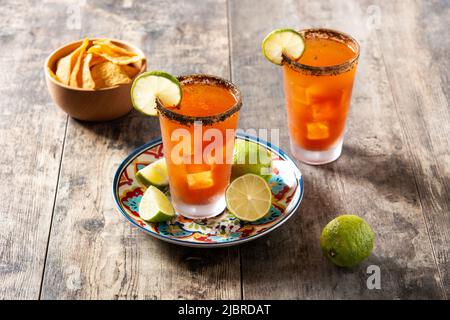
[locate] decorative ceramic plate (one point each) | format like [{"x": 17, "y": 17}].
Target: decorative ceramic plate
[{"x": 222, "y": 230}]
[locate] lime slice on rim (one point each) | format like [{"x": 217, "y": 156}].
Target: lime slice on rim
[
  {"x": 155, "y": 174},
  {"x": 282, "y": 41},
  {"x": 249, "y": 197},
  {"x": 155, "y": 206},
  {"x": 153, "y": 85}
]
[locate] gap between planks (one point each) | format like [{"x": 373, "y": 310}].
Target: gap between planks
[
  {"x": 53, "y": 207},
  {"x": 410, "y": 153},
  {"x": 230, "y": 70}
]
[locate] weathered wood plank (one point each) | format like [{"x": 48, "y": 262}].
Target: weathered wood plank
[
  {"x": 32, "y": 133},
  {"x": 93, "y": 252},
  {"x": 421, "y": 91},
  {"x": 375, "y": 177}
]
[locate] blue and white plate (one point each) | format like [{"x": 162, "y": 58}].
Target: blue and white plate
[{"x": 222, "y": 230}]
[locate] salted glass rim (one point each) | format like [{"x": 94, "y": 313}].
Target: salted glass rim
[
  {"x": 206, "y": 120},
  {"x": 332, "y": 69}
]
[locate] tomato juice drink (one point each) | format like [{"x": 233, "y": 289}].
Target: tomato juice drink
[
  {"x": 318, "y": 88},
  {"x": 198, "y": 138}
]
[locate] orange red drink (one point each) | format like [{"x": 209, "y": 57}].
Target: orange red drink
[
  {"x": 198, "y": 138},
  {"x": 318, "y": 88}
]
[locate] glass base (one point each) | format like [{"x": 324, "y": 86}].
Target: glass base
[
  {"x": 200, "y": 211},
  {"x": 317, "y": 157}
]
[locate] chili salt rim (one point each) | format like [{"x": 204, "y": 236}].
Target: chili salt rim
[
  {"x": 207, "y": 120},
  {"x": 327, "y": 70}
]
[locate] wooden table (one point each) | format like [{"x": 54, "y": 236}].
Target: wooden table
[{"x": 60, "y": 234}]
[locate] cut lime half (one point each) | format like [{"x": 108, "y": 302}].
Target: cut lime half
[
  {"x": 283, "y": 41},
  {"x": 249, "y": 197},
  {"x": 155, "y": 206},
  {"x": 155, "y": 174},
  {"x": 153, "y": 85}
]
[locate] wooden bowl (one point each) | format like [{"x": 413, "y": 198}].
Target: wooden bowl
[{"x": 88, "y": 104}]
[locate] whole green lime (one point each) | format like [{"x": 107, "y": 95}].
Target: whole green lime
[
  {"x": 347, "y": 240},
  {"x": 249, "y": 157}
]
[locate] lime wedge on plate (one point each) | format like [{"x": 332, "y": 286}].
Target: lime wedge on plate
[
  {"x": 249, "y": 157},
  {"x": 155, "y": 174},
  {"x": 282, "y": 41},
  {"x": 249, "y": 197},
  {"x": 155, "y": 206},
  {"x": 151, "y": 85}
]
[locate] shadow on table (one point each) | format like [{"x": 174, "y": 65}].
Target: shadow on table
[
  {"x": 280, "y": 255},
  {"x": 401, "y": 280},
  {"x": 125, "y": 133},
  {"x": 391, "y": 174},
  {"x": 300, "y": 271},
  {"x": 293, "y": 254}
]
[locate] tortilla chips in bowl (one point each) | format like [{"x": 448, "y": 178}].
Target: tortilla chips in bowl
[{"x": 90, "y": 79}]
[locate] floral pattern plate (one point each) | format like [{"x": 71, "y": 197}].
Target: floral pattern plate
[{"x": 223, "y": 230}]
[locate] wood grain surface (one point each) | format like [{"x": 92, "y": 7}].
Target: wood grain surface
[
  {"x": 374, "y": 178},
  {"x": 31, "y": 140},
  {"x": 420, "y": 90},
  {"x": 60, "y": 234},
  {"x": 93, "y": 252}
]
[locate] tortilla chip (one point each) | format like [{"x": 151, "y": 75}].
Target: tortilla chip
[
  {"x": 96, "y": 59},
  {"x": 87, "y": 80},
  {"x": 115, "y": 48},
  {"x": 63, "y": 68},
  {"x": 108, "y": 74},
  {"x": 95, "y": 65},
  {"x": 52, "y": 74},
  {"x": 65, "y": 65},
  {"x": 110, "y": 55},
  {"x": 75, "y": 74},
  {"x": 131, "y": 71}
]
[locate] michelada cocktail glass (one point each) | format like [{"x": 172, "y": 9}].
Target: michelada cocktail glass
[
  {"x": 318, "y": 88},
  {"x": 198, "y": 138}
]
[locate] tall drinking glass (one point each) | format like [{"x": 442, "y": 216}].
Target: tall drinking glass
[
  {"x": 198, "y": 138},
  {"x": 318, "y": 89}
]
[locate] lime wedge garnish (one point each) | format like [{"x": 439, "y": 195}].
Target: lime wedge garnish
[
  {"x": 155, "y": 174},
  {"x": 151, "y": 85},
  {"x": 155, "y": 206},
  {"x": 283, "y": 41},
  {"x": 249, "y": 197}
]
